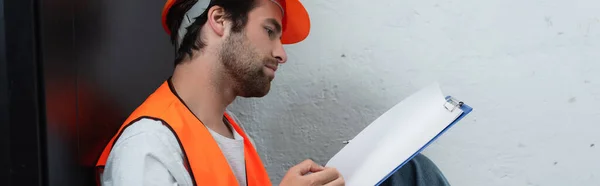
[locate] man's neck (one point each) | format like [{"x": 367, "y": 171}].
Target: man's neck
[{"x": 204, "y": 92}]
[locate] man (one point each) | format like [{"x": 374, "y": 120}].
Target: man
[{"x": 182, "y": 134}]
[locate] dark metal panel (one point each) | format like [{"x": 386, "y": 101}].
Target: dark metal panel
[
  {"x": 122, "y": 55},
  {"x": 99, "y": 59},
  {"x": 60, "y": 79},
  {"x": 4, "y": 128},
  {"x": 123, "y": 51},
  {"x": 24, "y": 94}
]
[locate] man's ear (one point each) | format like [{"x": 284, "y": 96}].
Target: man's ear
[{"x": 216, "y": 19}]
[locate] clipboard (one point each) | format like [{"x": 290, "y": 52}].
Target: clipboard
[
  {"x": 397, "y": 136},
  {"x": 451, "y": 105}
]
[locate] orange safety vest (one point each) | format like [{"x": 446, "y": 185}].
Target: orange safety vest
[{"x": 205, "y": 161}]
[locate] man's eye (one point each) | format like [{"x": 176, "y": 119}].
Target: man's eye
[{"x": 269, "y": 31}]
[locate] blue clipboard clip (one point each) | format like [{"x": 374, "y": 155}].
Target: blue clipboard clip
[{"x": 451, "y": 105}]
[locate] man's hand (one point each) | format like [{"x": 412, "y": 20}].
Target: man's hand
[{"x": 299, "y": 175}]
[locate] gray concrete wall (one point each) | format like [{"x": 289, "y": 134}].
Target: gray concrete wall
[{"x": 529, "y": 68}]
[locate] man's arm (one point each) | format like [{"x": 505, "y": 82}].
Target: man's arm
[{"x": 147, "y": 153}]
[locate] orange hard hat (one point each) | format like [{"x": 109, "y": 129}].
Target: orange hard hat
[{"x": 295, "y": 22}]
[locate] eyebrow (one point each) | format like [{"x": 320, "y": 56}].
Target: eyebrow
[{"x": 275, "y": 23}]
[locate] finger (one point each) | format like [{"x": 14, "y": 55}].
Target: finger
[
  {"x": 337, "y": 182},
  {"x": 307, "y": 166},
  {"x": 325, "y": 176}
]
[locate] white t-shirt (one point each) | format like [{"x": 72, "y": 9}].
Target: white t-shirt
[{"x": 147, "y": 153}]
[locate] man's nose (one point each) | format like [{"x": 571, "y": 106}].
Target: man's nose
[{"x": 279, "y": 53}]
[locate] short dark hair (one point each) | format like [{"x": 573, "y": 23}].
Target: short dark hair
[{"x": 235, "y": 10}]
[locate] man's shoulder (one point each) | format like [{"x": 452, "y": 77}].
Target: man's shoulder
[
  {"x": 144, "y": 126},
  {"x": 139, "y": 132},
  {"x": 145, "y": 148}
]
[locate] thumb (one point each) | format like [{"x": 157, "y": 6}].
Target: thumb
[{"x": 308, "y": 166}]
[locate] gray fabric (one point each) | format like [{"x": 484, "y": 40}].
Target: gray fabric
[
  {"x": 420, "y": 171},
  {"x": 233, "y": 149},
  {"x": 189, "y": 18}
]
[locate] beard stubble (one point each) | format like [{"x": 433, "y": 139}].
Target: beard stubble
[{"x": 245, "y": 66}]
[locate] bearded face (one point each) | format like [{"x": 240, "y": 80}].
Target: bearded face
[{"x": 246, "y": 66}]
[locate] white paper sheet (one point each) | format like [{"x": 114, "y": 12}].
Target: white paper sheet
[{"x": 394, "y": 137}]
